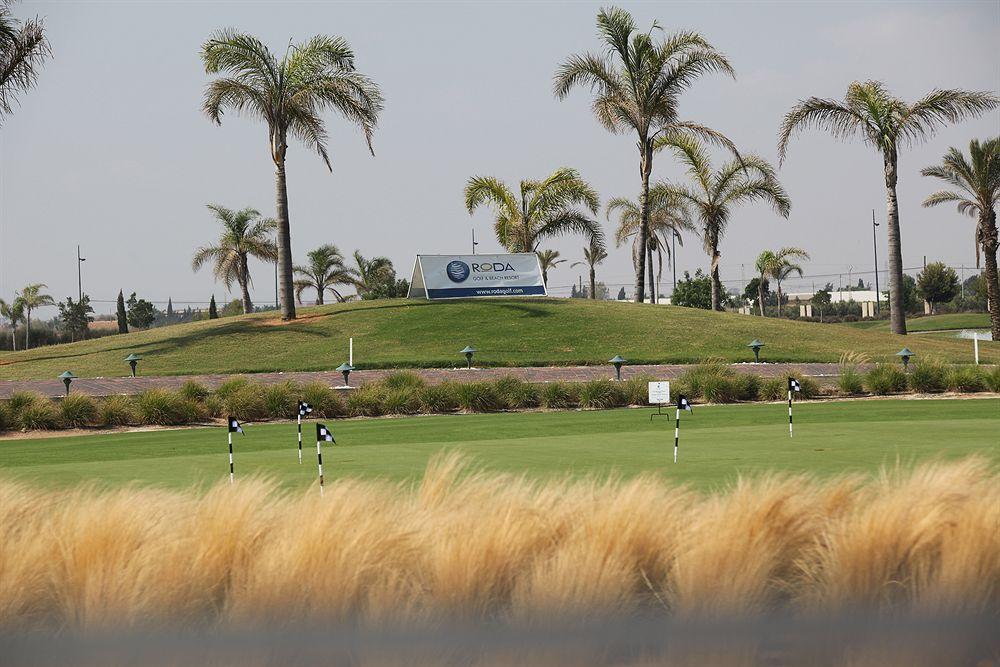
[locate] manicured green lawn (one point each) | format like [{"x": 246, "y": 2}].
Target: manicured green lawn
[
  {"x": 717, "y": 443},
  {"x": 931, "y": 322},
  {"x": 507, "y": 332}
]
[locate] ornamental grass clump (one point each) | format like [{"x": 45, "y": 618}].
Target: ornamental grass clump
[
  {"x": 929, "y": 376},
  {"x": 194, "y": 391},
  {"x": 439, "y": 399},
  {"x": 601, "y": 395},
  {"x": 992, "y": 379},
  {"x": 635, "y": 390},
  {"x": 401, "y": 401},
  {"x": 365, "y": 401},
  {"x": 245, "y": 402},
  {"x": 885, "y": 379},
  {"x": 967, "y": 379},
  {"x": 403, "y": 380},
  {"x": 165, "y": 408},
  {"x": 117, "y": 410},
  {"x": 280, "y": 400},
  {"x": 478, "y": 397},
  {"x": 31, "y": 411},
  {"x": 517, "y": 394},
  {"x": 78, "y": 411},
  {"x": 560, "y": 395},
  {"x": 325, "y": 402}
]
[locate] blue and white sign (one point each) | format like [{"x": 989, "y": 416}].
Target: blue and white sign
[{"x": 465, "y": 276}]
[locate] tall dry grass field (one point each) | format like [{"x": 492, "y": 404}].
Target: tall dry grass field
[{"x": 475, "y": 546}]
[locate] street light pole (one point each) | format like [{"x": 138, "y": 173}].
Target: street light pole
[
  {"x": 878, "y": 295},
  {"x": 79, "y": 275},
  {"x": 673, "y": 260}
]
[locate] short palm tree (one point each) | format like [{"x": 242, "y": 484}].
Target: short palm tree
[
  {"x": 593, "y": 254},
  {"x": 976, "y": 183},
  {"x": 712, "y": 195},
  {"x": 289, "y": 94},
  {"x": 668, "y": 217},
  {"x": 637, "y": 82},
  {"x": 540, "y": 210},
  {"x": 548, "y": 259},
  {"x": 244, "y": 234},
  {"x": 13, "y": 312},
  {"x": 885, "y": 122},
  {"x": 777, "y": 265},
  {"x": 32, "y": 298},
  {"x": 370, "y": 273},
  {"x": 23, "y": 49},
  {"x": 324, "y": 271}
]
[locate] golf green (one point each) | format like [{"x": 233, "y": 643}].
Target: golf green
[{"x": 717, "y": 444}]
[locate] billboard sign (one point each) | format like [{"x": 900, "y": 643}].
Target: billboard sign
[{"x": 472, "y": 276}]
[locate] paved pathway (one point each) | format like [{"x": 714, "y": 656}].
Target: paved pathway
[{"x": 127, "y": 385}]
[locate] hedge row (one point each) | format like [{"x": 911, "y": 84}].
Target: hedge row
[{"x": 406, "y": 393}]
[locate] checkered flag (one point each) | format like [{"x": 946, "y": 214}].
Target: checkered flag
[
  {"x": 323, "y": 434},
  {"x": 304, "y": 408},
  {"x": 234, "y": 426},
  {"x": 683, "y": 403},
  {"x": 794, "y": 385}
]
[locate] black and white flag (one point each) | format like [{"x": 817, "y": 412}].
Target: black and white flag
[
  {"x": 794, "y": 385},
  {"x": 683, "y": 403},
  {"x": 234, "y": 426},
  {"x": 304, "y": 408},
  {"x": 323, "y": 434}
]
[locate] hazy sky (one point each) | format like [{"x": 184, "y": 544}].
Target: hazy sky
[{"x": 112, "y": 151}]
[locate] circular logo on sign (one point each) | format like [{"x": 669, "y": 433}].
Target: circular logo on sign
[{"x": 457, "y": 271}]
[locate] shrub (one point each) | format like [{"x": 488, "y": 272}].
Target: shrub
[
  {"x": 635, "y": 390},
  {"x": 5, "y": 421},
  {"x": 930, "y": 377},
  {"x": 116, "y": 411},
  {"x": 560, "y": 395},
  {"x": 885, "y": 379},
  {"x": 718, "y": 389},
  {"x": 213, "y": 406},
  {"x": 809, "y": 386},
  {"x": 325, "y": 402},
  {"x": 280, "y": 400},
  {"x": 78, "y": 410},
  {"x": 747, "y": 386},
  {"x": 245, "y": 402},
  {"x": 992, "y": 378},
  {"x": 19, "y": 400},
  {"x": 601, "y": 394},
  {"x": 165, "y": 408},
  {"x": 401, "y": 401},
  {"x": 39, "y": 413},
  {"x": 693, "y": 380},
  {"x": 850, "y": 381},
  {"x": 773, "y": 389},
  {"x": 366, "y": 401},
  {"x": 403, "y": 380},
  {"x": 193, "y": 391},
  {"x": 439, "y": 398},
  {"x": 478, "y": 397},
  {"x": 516, "y": 394},
  {"x": 229, "y": 387},
  {"x": 966, "y": 379}
]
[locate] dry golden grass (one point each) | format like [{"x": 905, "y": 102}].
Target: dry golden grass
[{"x": 473, "y": 545}]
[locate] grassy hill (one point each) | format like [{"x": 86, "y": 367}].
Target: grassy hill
[
  {"x": 507, "y": 332},
  {"x": 931, "y": 322}
]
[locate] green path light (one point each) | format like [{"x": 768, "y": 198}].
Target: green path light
[
  {"x": 468, "y": 352},
  {"x": 755, "y": 345},
  {"x": 132, "y": 360},
  {"x": 346, "y": 369},
  {"x": 617, "y": 361},
  {"x": 67, "y": 377},
  {"x": 905, "y": 355}
]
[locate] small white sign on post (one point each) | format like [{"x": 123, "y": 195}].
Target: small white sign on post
[{"x": 659, "y": 393}]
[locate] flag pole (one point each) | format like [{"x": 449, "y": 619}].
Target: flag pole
[
  {"x": 299, "y": 420},
  {"x": 677, "y": 430},
  {"x": 319, "y": 459},
  {"x": 230, "y": 457},
  {"x": 790, "y": 410}
]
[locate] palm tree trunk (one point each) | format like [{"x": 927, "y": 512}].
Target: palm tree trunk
[
  {"x": 652, "y": 278},
  {"x": 897, "y": 308},
  {"x": 27, "y": 329},
  {"x": 319, "y": 295},
  {"x": 245, "y": 285},
  {"x": 645, "y": 168},
  {"x": 716, "y": 282},
  {"x": 285, "y": 288},
  {"x": 990, "y": 245},
  {"x": 593, "y": 283},
  {"x": 760, "y": 295},
  {"x": 545, "y": 277},
  {"x": 780, "y": 309}
]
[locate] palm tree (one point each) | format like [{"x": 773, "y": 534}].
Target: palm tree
[
  {"x": 325, "y": 269},
  {"x": 542, "y": 209},
  {"x": 777, "y": 265},
  {"x": 23, "y": 49},
  {"x": 12, "y": 312},
  {"x": 885, "y": 122},
  {"x": 668, "y": 216},
  {"x": 976, "y": 180},
  {"x": 593, "y": 254},
  {"x": 548, "y": 259},
  {"x": 31, "y": 298},
  {"x": 244, "y": 234},
  {"x": 637, "y": 83},
  {"x": 713, "y": 194},
  {"x": 290, "y": 95},
  {"x": 370, "y": 273}
]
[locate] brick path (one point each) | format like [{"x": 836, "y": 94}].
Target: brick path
[{"x": 127, "y": 385}]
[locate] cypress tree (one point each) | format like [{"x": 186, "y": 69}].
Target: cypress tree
[
  {"x": 122, "y": 315},
  {"x": 213, "y": 312},
  {"x": 170, "y": 308}
]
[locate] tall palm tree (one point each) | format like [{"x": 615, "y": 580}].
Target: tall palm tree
[
  {"x": 777, "y": 265},
  {"x": 593, "y": 254},
  {"x": 668, "y": 217},
  {"x": 976, "y": 180},
  {"x": 548, "y": 259},
  {"x": 885, "y": 122},
  {"x": 13, "y": 312},
  {"x": 325, "y": 269},
  {"x": 32, "y": 298},
  {"x": 712, "y": 195},
  {"x": 23, "y": 49},
  {"x": 540, "y": 210},
  {"x": 244, "y": 234},
  {"x": 637, "y": 82},
  {"x": 289, "y": 94},
  {"x": 371, "y": 272}
]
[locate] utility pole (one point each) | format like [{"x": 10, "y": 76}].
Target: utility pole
[
  {"x": 79, "y": 275},
  {"x": 673, "y": 259},
  {"x": 878, "y": 295}
]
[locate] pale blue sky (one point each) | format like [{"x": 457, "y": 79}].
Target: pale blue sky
[{"x": 112, "y": 151}]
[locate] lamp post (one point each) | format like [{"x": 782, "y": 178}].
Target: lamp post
[
  {"x": 67, "y": 377},
  {"x": 878, "y": 296},
  {"x": 79, "y": 274},
  {"x": 468, "y": 352},
  {"x": 617, "y": 362},
  {"x": 132, "y": 360},
  {"x": 755, "y": 345},
  {"x": 905, "y": 355},
  {"x": 346, "y": 369}
]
